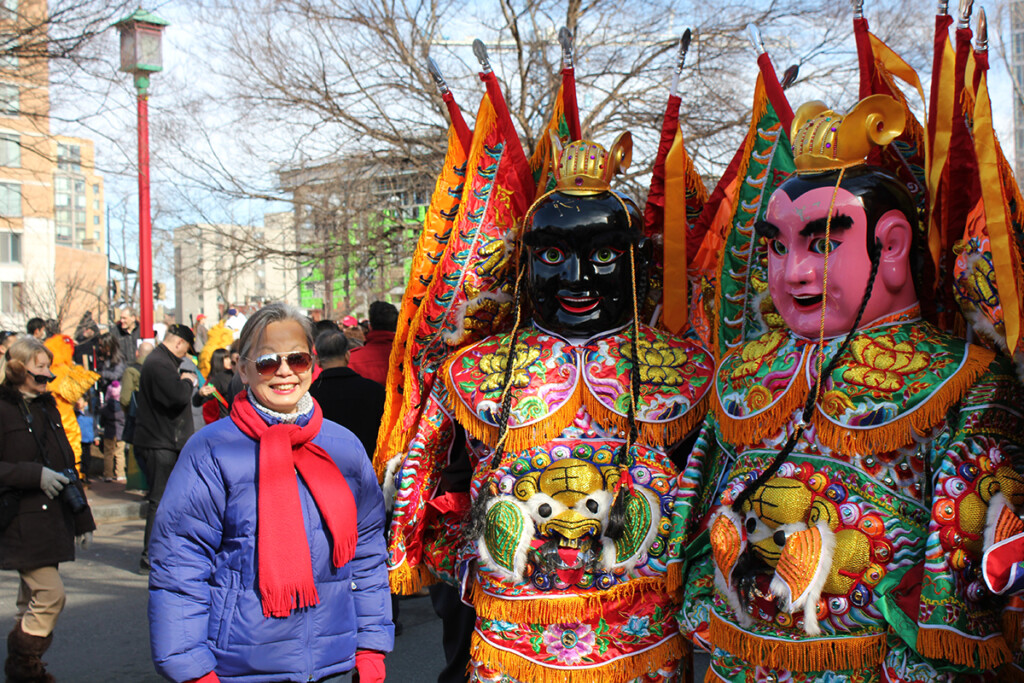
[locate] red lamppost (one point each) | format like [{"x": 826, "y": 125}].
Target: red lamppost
[{"x": 141, "y": 56}]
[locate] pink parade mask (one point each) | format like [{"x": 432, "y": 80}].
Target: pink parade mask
[{"x": 796, "y": 261}]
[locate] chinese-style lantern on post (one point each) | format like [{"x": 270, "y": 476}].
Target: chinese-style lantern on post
[{"x": 141, "y": 56}]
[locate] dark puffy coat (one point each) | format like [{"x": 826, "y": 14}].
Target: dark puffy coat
[
  {"x": 43, "y": 532},
  {"x": 129, "y": 341},
  {"x": 112, "y": 420},
  {"x": 204, "y": 607},
  {"x": 164, "y": 418}
]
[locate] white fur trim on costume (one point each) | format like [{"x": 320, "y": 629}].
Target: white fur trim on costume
[
  {"x": 808, "y": 600},
  {"x": 389, "y": 488}
]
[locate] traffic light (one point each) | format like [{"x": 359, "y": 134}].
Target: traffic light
[{"x": 159, "y": 291}]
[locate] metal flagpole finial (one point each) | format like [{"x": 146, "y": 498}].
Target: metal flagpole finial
[
  {"x": 565, "y": 40},
  {"x": 858, "y": 8},
  {"x": 789, "y": 76},
  {"x": 436, "y": 74},
  {"x": 966, "y": 6},
  {"x": 684, "y": 47},
  {"x": 480, "y": 50},
  {"x": 755, "y": 38},
  {"x": 982, "y": 45},
  {"x": 943, "y": 8}
]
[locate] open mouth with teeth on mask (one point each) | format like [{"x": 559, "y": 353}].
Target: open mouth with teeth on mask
[{"x": 572, "y": 548}]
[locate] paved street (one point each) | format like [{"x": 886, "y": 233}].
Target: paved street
[{"x": 103, "y": 634}]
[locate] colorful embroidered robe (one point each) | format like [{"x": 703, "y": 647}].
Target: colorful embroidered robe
[
  {"x": 858, "y": 560},
  {"x": 556, "y": 598}
]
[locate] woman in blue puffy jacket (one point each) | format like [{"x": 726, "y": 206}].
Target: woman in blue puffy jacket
[{"x": 268, "y": 550}]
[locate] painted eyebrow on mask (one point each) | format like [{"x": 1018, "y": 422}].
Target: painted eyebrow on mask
[
  {"x": 765, "y": 229},
  {"x": 818, "y": 225}
]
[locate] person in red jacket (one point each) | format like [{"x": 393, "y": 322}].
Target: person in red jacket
[{"x": 371, "y": 359}]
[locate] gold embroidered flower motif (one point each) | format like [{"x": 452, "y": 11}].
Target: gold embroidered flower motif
[
  {"x": 659, "y": 362},
  {"x": 883, "y": 364},
  {"x": 753, "y": 354},
  {"x": 835, "y": 403},
  {"x": 758, "y": 397},
  {"x": 493, "y": 366}
]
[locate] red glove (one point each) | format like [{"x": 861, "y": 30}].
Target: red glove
[
  {"x": 208, "y": 678},
  {"x": 369, "y": 666}
]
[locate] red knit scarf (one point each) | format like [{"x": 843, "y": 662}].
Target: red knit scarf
[{"x": 282, "y": 549}]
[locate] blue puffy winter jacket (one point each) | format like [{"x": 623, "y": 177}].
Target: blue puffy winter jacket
[{"x": 204, "y": 606}]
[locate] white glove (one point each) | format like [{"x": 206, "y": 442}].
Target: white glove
[
  {"x": 52, "y": 482},
  {"x": 85, "y": 540}
]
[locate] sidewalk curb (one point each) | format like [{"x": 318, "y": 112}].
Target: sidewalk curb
[{"x": 120, "y": 512}]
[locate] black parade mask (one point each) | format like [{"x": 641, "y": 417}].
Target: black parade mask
[{"x": 580, "y": 282}]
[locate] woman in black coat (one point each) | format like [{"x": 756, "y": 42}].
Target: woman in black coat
[
  {"x": 41, "y": 509},
  {"x": 215, "y": 396}
]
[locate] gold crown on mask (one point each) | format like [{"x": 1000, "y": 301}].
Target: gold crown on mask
[
  {"x": 826, "y": 141},
  {"x": 584, "y": 167}
]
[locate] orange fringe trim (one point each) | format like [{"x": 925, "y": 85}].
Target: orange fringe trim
[
  {"x": 562, "y": 610},
  {"x": 623, "y": 669},
  {"x": 750, "y": 430},
  {"x": 655, "y": 433},
  {"x": 407, "y": 580},
  {"x": 674, "y": 577},
  {"x": 953, "y": 647},
  {"x": 1013, "y": 628},
  {"x": 900, "y": 432},
  {"x": 422, "y": 267},
  {"x": 804, "y": 655},
  {"x": 519, "y": 438}
]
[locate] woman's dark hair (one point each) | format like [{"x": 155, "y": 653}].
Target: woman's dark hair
[
  {"x": 321, "y": 326},
  {"x": 217, "y": 361},
  {"x": 331, "y": 344},
  {"x": 252, "y": 331},
  {"x": 109, "y": 348}
]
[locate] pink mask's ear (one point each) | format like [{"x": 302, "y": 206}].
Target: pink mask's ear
[{"x": 893, "y": 232}]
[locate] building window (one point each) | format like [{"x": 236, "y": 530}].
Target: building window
[
  {"x": 95, "y": 220},
  {"x": 10, "y": 150},
  {"x": 63, "y": 231},
  {"x": 9, "y": 51},
  {"x": 9, "y": 99},
  {"x": 10, "y": 199},
  {"x": 10, "y": 297},
  {"x": 10, "y": 247},
  {"x": 69, "y": 158}
]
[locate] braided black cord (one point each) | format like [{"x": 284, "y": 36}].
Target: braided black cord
[
  {"x": 617, "y": 514},
  {"x": 805, "y": 416},
  {"x": 478, "y": 510}
]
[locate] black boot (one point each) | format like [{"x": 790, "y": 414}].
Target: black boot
[{"x": 24, "y": 657}]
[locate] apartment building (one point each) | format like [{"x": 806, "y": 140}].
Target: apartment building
[
  {"x": 220, "y": 266},
  {"x": 53, "y": 260}
]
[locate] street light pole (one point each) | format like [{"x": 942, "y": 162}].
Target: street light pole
[
  {"x": 141, "y": 56},
  {"x": 145, "y": 220}
]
